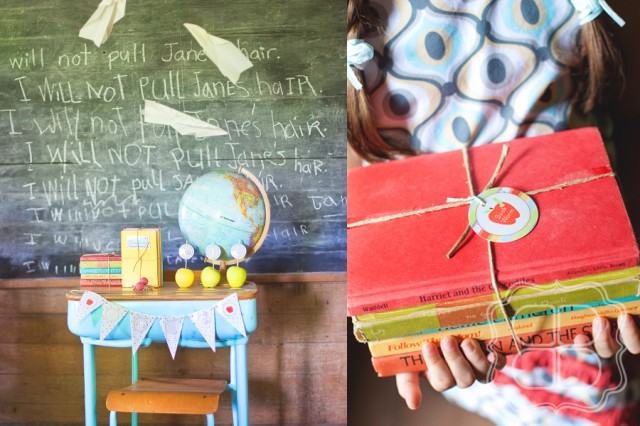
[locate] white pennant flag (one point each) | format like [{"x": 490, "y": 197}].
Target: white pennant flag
[
  {"x": 140, "y": 325},
  {"x": 205, "y": 322},
  {"x": 229, "y": 308},
  {"x": 172, "y": 328},
  {"x": 89, "y": 302},
  {"x": 111, "y": 316}
]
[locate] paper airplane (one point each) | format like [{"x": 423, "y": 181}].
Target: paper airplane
[
  {"x": 98, "y": 27},
  {"x": 183, "y": 123},
  {"x": 225, "y": 55}
]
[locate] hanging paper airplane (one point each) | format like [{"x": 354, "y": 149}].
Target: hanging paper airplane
[
  {"x": 225, "y": 55},
  {"x": 99, "y": 26},
  {"x": 183, "y": 123}
]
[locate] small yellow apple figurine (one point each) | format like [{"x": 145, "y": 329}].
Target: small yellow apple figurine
[
  {"x": 210, "y": 277},
  {"x": 236, "y": 276},
  {"x": 184, "y": 277}
]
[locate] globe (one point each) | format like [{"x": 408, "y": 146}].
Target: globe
[{"x": 224, "y": 208}]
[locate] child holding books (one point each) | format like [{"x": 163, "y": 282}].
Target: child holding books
[{"x": 434, "y": 75}]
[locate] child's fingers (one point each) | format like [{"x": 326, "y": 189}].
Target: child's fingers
[
  {"x": 629, "y": 333},
  {"x": 477, "y": 359},
  {"x": 498, "y": 359},
  {"x": 603, "y": 342},
  {"x": 409, "y": 389},
  {"x": 438, "y": 373},
  {"x": 460, "y": 369},
  {"x": 582, "y": 343}
]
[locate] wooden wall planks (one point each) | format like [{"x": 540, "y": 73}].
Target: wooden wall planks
[{"x": 297, "y": 357}]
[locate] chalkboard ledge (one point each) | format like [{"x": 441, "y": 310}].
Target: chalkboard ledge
[{"x": 71, "y": 282}]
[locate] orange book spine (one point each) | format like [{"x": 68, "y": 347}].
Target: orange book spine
[
  {"x": 532, "y": 324},
  {"x": 412, "y": 362}
]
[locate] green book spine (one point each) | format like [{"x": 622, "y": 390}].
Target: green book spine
[{"x": 526, "y": 300}]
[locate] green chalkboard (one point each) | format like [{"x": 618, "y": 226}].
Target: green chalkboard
[{"x": 78, "y": 163}]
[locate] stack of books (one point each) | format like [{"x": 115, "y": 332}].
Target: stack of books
[
  {"x": 100, "y": 269},
  {"x": 578, "y": 260}
]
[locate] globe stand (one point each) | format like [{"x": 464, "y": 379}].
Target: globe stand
[{"x": 223, "y": 273}]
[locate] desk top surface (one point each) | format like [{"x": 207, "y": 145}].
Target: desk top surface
[{"x": 170, "y": 291}]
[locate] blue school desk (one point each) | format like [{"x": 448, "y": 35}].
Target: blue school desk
[{"x": 168, "y": 300}]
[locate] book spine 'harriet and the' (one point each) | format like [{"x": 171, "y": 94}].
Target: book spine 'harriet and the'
[
  {"x": 398, "y": 301},
  {"x": 432, "y": 318}
]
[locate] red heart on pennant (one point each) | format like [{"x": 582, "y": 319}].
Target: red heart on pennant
[
  {"x": 230, "y": 309},
  {"x": 89, "y": 302}
]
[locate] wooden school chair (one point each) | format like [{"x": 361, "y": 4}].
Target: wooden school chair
[
  {"x": 167, "y": 396},
  {"x": 179, "y": 395}
]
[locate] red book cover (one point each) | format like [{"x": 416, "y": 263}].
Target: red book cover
[
  {"x": 101, "y": 256},
  {"x": 100, "y": 282},
  {"x": 399, "y": 259}
]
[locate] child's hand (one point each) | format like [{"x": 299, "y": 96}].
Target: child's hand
[
  {"x": 604, "y": 343},
  {"x": 459, "y": 365}
]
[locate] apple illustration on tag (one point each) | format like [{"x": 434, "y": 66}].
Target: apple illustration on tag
[{"x": 503, "y": 213}]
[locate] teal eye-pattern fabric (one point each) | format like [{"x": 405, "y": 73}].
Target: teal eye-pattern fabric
[{"x": 451, "y": 72}]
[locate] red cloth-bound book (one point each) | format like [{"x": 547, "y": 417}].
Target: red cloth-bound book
[{"x": 402, "y": 222}]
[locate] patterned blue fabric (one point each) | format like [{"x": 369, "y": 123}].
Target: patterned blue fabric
[{"x": 448, "y": 72}]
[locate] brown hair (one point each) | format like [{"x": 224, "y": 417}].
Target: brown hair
[
  {"x": 599, "y": 76},
  {"x": 362, "y": 133}
]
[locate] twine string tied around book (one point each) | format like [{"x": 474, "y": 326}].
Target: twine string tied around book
[
  {"x": 140, "y": 255},
  {"x": 463, "y": 236},
  {"x": 457, "y": 202}
]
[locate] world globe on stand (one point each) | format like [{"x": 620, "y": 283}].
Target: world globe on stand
[{"x": 225, "y": 208}]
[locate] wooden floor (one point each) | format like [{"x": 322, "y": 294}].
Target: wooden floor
[{"x": 374, "y": 401}]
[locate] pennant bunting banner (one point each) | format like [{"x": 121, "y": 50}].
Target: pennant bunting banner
[
  {"x": 141, "y": 323},
  {"x": 172, "y": 328},
  {"x": 89, "y": 302},
  {"x": 205, "y": 322},
  {"x": 229, "y": 308},
  {"x": 112, "y": 314}
]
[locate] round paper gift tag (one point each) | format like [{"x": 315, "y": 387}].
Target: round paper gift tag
[
  {"x": 186, "y": 251},
  {"x": 502, "y": 214}
]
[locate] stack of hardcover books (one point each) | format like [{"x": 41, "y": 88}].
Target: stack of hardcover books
[
  {"x": 556, "y": 254},
  {"x": 100, "y": 269}
]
